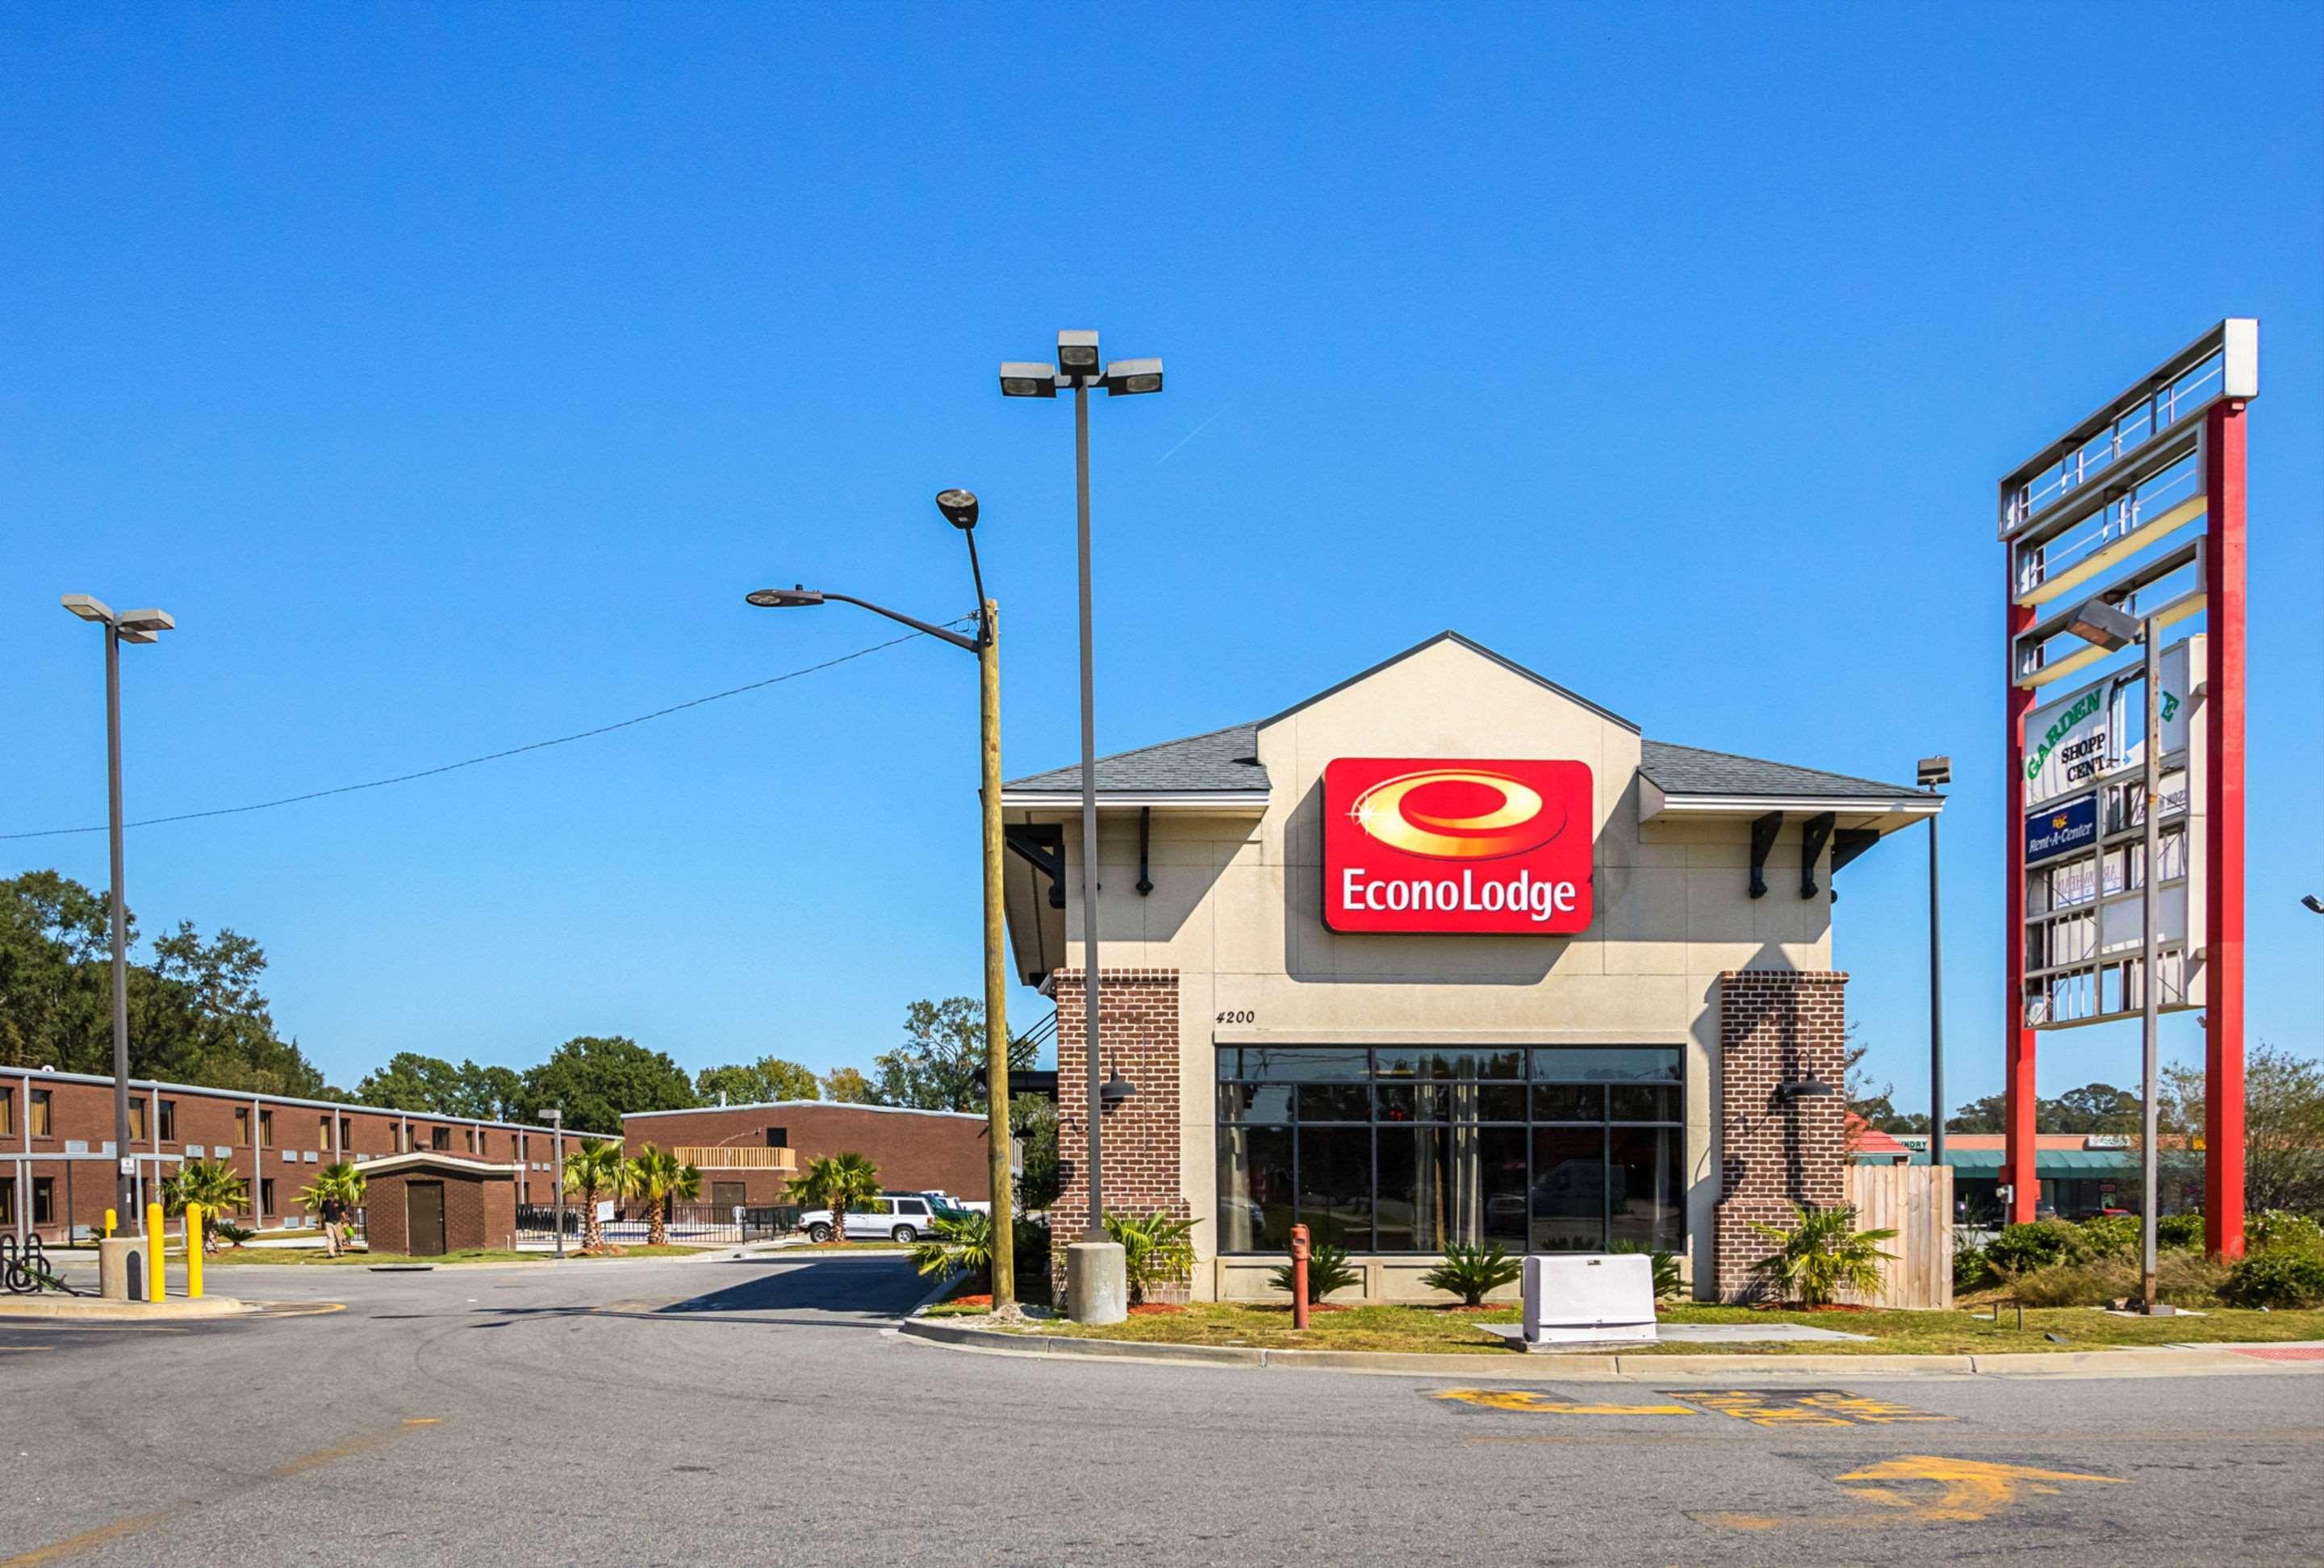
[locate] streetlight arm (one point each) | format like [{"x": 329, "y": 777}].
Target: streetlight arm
[
  {"x": 983, "y": 627},
  {"x": 955, "y": 638}
]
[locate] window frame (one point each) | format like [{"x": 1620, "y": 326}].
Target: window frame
[
  {"x": 40, "y": 1115},
  {"x": 1441, "y": 1082}
]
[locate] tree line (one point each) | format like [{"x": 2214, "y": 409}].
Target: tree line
[{"x": 197, "y": 1016}]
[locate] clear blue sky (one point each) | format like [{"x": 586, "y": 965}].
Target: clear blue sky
[{"x": 451, "y": 372}]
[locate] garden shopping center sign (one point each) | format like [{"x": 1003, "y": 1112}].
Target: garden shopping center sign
[{"x": 1437, "y": 844}]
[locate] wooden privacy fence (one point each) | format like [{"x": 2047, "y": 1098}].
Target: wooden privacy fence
[{"x": 1916, "y": 1201}]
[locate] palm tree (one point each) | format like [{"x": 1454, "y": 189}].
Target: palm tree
[
  {"x": 214, "y": 1184},
  {"x": 595, "y": 1170},
  {"x": 961, "y": 1244},
  {"x": 657, "y": 1177},
  {"x": 1822, "y": 1255},
  {"x": 344, "y": 1182},
  {"x": 838, "y": 1182}
]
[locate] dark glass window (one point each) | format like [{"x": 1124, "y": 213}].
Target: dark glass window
[
  {"x": 44, "y": 1200},
  {"x": 1408, "y": 1150}
]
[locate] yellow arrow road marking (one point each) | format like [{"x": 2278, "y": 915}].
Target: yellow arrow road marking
[
  {"x": 1973, "y": 1488},
  {"x": 1528, "y": 1402}
]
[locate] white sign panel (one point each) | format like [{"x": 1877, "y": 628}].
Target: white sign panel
[
  {"x": 2072, "y": 740},
  {"x": 604, "y": 1211}
]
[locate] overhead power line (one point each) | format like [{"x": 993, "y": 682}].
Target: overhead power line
[{"x": 497, "y": 756}]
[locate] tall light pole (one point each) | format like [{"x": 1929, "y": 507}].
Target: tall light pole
[
  {"x": 130, "y": 626},
  {"x": 959, "y": 509},
  {"x": 1933, "y": 771},
  {"x": 2103, "y": 625},
  {"x": 556, "y": 1115},
  {"x": 1078, "y": 368}
]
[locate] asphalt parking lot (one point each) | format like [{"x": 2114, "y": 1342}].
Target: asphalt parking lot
[{"x": 762, "y": 1410}]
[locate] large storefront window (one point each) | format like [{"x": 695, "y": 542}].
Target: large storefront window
[{"x": 1546, "y": 1148}]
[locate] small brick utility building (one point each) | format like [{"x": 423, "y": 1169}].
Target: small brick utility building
[
  {"x": 425, "y": 1205},
  {"x": 1448, "y": 954},
  {"x": 748, "y": 1154}
]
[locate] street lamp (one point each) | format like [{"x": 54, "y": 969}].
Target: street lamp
[
  {"x": 959, "y": 508},
  {"x": 1077, "y": 367},
  {"x": 2103, "y": 626},
  {"x": 1933, "y": 771},
  {"x": 556, "y": 1115},
  {"x": 129, "y": 626}
]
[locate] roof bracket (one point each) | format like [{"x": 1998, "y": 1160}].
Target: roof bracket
[
  {"x": 1763, "y": 830},
  {"x": 1044, "y": 844},
  {"x": 1847, "y": 843},
  {"x": 1145, "y": 829},
  {"x": 1813, "y": 832}
]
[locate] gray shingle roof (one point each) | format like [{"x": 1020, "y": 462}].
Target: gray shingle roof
[
  {"x": 1222, "y": 760},
  {"x": 1690, "y": 771}
]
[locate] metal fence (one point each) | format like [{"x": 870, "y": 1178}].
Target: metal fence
[{"x": 681, "y": 1223}]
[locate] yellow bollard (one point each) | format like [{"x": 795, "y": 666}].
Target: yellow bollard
[
  {"x": 154, "y": 1269},
  {"x": 193, "y": 1251},
  {"x": 112, "y": 1221}
]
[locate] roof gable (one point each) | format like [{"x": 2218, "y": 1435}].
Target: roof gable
[{"x": 1481, "y": 651}]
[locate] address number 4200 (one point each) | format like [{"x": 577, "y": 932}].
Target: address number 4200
[{"x": 1246, "y": 1016}]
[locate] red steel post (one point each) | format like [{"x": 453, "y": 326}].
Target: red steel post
[
  {"x": 1298, "y": 1277},
  {"x": 2223, "y": 909},
  {"x": 2017, "y": 1081}
]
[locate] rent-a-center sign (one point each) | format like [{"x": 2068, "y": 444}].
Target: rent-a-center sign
[{"x": 1419, "y": 843}]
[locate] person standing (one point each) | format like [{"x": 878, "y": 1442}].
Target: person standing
[{"x": 335, "y": 1225}]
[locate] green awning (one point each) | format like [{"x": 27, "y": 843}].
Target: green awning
[{"x": 2067, "y": 1163}]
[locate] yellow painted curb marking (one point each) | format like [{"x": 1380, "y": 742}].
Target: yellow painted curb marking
[{"x": 1528, "y": 1402}]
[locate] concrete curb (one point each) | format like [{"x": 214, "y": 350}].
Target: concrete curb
[
  {"x": 95, "y": 1309},
  {"x": 2135, "y": 1363}
]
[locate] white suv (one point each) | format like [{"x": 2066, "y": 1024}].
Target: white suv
[{"x": 895, "y": 1217}]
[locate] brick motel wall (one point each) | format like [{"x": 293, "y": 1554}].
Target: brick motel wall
[
  {"x": 299, "y": 1140},
  {"x": 1138, "y": 1038},
  {"x": 914, "y": 1150},
  {"x": 1775, "y": 1027}
]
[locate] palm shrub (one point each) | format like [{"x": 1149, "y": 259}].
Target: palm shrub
[
  {"x": 232, "y": 1235},
  {"x": 212, "y": 1183},
  {"x": 838, "y": 1182},
  {"x": 958, "y": 1244},
  {"x": 1155, "y": 1249},
  {"x": 592, "y": 1171},
  {"x": 1467, "y": 1272},
  {"x": 658, "y": 1177},
  {"x": 1328, "y": 1269},
  {"x": 1668, "y": 1283},
  {"x": 1822, "y": 1255},
  {"x": 342, "y": 1179}
]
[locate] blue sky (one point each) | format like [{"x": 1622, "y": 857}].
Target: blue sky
[{"x": 451, "y": 374}]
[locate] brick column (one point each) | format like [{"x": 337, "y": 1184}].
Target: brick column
[
  {"x": 1138, "y": 1038},
  {"x": 1777, "y": 1027}
]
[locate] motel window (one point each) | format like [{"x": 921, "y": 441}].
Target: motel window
[
  {"x": 1543, "y": 1149},
  {"x": 322, "y": 1135},
  {"x": 472, "y": 1141},
  {"x": 7, "y": 1111},
  {"x": 44, "y": 1200},
  {"x": 440, "y": 1137},
  {"x": 137, "y": 1121},
  {"x": 779, "y": 1137},
  {"x": 241, "y": 1126},
  {"x": 7, "y": 1200},
  {"x": 40, "y": 1118},
  {"x": 266, "y": 1195},
  {"x": 266, "y": 1130},
  {"x": 169, "y": 1121}
]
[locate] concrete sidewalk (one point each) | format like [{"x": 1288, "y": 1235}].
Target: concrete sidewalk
[
  {"x": 96, "y": 1309},
  {"x": 2142, "y": 1362}
]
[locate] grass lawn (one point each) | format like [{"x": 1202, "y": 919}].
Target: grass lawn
[{"x": 1436, "y": 1330}]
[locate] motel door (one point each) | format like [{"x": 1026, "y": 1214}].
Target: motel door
[{"x": 424, "y": 1214}]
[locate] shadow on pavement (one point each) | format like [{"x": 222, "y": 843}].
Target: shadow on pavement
[{"x": 854, "y": 1293}]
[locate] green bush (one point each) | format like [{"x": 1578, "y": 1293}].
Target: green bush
[
  {"x": 1971, "y": 1268},
  {"x": 2281, "y": 1229},
  {"x": 1328, "y": 1269},
  {"x": 2276, "y": 1277},
  {"x": 1470, "y": 1273},
  {"x": 1668, "y": 1283},
  {"x": 2022, "y": 1249},
  {"x": 2180, "y": 1233},
  {"x": 2180, "y": 1278},
  {"x": 1155, "y": 1249},
  {"x": 2114, "y": 1236}
]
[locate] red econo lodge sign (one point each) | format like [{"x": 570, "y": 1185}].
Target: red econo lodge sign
[{"x": 1419, "y": 843}]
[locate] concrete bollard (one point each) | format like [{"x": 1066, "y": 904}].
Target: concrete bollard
[
  {"x": 156, "y": 1273},
  {"x": 1097, "y": 1282},
  {"x": 120, "y": 1268}
]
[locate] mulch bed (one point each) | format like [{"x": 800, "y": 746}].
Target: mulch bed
[
  {"x": 984, "y": 1300},
  {"x": 1155, "y": 1309}
]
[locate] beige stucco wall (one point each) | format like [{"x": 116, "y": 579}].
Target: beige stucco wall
[{"x": 1236, "y": 908}]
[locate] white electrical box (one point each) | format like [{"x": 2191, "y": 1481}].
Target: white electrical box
[{"x": 1580, "y": 1297}]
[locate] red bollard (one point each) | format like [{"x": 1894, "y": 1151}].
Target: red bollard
[{"x": 1298, "y": 1277}]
